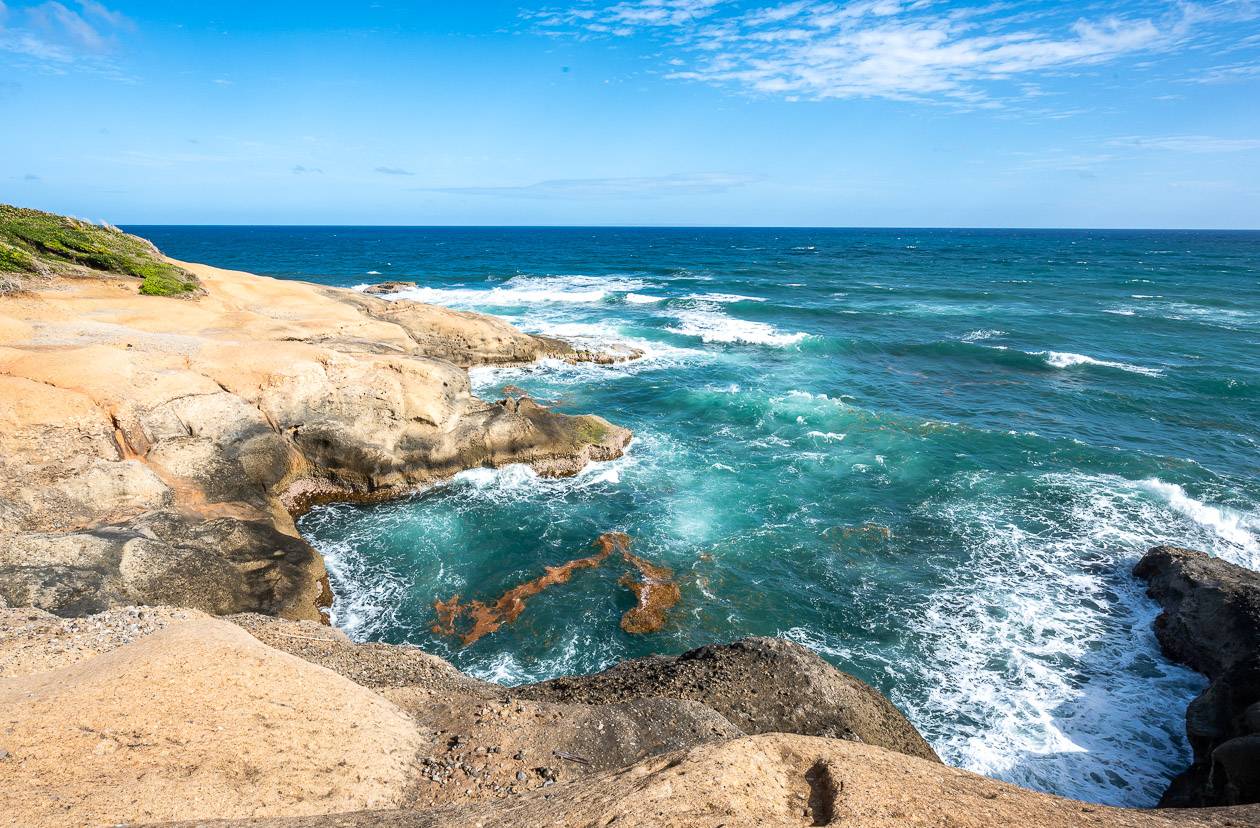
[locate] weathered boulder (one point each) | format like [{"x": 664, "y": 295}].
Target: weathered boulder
[
  {"x": 761, "y": 685},
  {"x": 1211, "y": 622}
]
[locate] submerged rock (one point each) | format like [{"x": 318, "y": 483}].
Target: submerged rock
[
  {"x": 655, "y": 592},
  {"x": 1211, "y": 622}
]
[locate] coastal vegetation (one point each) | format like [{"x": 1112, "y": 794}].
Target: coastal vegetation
[{"x": 35, "y": 244}]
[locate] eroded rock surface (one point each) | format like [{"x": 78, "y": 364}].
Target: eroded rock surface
[
  {"x": 1211, "y": 622},
  {"x": 777, "y": 780},
  {"x": 153, "y": 450},
  {"x": 762, "y": 685},
  {"x": 197, "y": 718},
  {"x": 147, "y": 715}
]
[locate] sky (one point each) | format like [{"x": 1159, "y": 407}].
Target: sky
[{"x": 637, "y": 112}]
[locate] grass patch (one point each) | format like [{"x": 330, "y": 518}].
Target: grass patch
[
  {"x": 590, "y": 430},
  {"x": 32, "y": 241}
]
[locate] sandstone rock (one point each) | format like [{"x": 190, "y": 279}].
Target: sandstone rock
[
  {"x": 377, "y": 666},
  {"x": 160, "y": 456},
  {"x": 760, "y": 685},
  {"x": 775, "y": 780},
  {"x": 1211, "y": 622},
  {"x": 196, "y": 720}
]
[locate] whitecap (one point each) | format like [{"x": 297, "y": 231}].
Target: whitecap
[
  {"x": 642, "y": 299},
  {"x": 1062, "y": 359},
  {"x": 526, "y": 290},
  {"x": 1231, "y": 526},
  {"x": 829, "y": 436},
  {"x": 374, "y": 273},
  {"x": 712, "y": 325},
  {"x": 504, "y": 479},
  {"x": 982, "y": 335},
  {"x": 723, "y": 298}
]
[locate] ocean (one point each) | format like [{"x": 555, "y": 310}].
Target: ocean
[{"x": 933, "y": 456}]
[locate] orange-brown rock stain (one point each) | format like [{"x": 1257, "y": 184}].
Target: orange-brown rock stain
[{"x": 656, "y": 593}]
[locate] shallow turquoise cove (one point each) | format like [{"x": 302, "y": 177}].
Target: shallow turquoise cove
[{"x": 933, "y": 456}]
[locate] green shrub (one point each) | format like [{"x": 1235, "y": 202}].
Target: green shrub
[
  {"x": 16, "y": 260},
  {"x": 31, "y": 241}
]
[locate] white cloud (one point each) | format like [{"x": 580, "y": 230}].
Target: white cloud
[
  {"x": 899, "y": 49},
  {"x": 57, "y": 36}
]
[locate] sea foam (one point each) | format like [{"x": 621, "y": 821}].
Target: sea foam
[
  {"x": 1043, "y": 635},
  {"x": 526, "y": 290},
  {"x": 713, "y": 326}
]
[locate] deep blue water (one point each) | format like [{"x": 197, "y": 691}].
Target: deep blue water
[{"x": 932, "y": 455}]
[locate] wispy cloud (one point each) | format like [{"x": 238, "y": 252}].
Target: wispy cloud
[
  {"x": 897, "y": 49},
  {"x": 54, "y": 36},
  {"x": 393, "y": 171},
  {"x": 298, "y": 169},
  {"x": 1228, "y": 73},
  {"x": 624, "y": 18},
  {"x": 1188, "y": 143},
  {"x": 630, "y": 187}
]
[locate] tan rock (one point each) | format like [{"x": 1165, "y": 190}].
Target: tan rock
[
  {"x": 196, "y": 720},
  {"x": 778, "y": 780},
  {"x": 154, "y": 450}
]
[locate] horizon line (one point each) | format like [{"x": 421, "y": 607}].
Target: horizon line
[{"x": 698, "y": 227}]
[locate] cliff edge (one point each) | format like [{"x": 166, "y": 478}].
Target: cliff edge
[{"x": 154, "y": 449}]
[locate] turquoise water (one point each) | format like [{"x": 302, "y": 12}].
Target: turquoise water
[{"x": 1023, "y": 412}]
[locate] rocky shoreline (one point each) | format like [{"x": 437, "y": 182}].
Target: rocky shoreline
[
  {"x": 163, "y": 654},
  {"x": 156, "y": 450},
  {"x": 1211, "y": 623}
]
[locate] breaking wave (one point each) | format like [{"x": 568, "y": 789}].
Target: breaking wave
[
  {"x": 708, "y": 322},
  {"x": 1060, "y": 359}
]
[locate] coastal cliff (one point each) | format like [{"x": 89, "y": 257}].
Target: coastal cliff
[
  {"x": 155, "y": 449},
  {"x": 163, "y": 654}
]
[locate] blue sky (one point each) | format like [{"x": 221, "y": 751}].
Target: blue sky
[{"x": 693, "y": 112}]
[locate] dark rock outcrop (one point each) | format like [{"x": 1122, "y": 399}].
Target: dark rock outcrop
[
  {"x": 762, "y": 685},
  {"x": 386, "y": 288},
  {"x": 1211, "y": 622}
]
